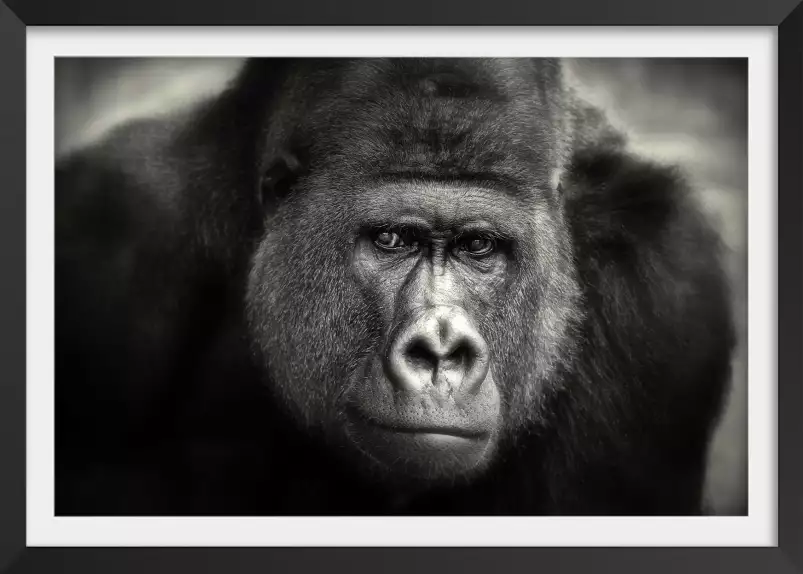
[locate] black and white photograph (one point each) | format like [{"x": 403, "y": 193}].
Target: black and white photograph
[{"x": 401, "y": 286}]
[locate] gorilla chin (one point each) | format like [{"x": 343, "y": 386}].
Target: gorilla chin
[{"x": 431, "y": 434}]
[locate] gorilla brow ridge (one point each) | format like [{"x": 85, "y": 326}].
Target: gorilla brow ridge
[{"x": 510, "y": 185}]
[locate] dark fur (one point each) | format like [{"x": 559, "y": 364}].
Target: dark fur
[{"x": 161, "y": 406}]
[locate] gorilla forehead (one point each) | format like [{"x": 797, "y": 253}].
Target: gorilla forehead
[{"x": 447, "y": 205}]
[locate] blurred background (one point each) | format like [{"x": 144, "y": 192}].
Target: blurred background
[{"x": 692, "y": 112}]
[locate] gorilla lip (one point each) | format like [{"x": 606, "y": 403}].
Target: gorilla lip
[
  {"x": 432, "y": 453},
  {"x": 423, "y": 429},
  {"x": 430, "y": 430}
]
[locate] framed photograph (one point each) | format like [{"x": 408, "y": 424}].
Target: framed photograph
[{"x": 362, "y": 287}]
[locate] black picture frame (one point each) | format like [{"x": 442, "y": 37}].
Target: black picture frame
[{"x": 16, "y": 15}]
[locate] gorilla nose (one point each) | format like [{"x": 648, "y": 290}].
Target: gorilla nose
[{"x": 441, "y": 347}]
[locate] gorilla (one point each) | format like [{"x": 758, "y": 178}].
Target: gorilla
[{"x": 384, "y": 286}]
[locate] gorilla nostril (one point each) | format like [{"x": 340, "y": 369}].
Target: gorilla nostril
[
  {"x": 420, "y": 356},
  {"x": 458, "y": 358}
]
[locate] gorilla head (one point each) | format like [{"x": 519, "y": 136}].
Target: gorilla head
[{"x": 414, "y": 290}]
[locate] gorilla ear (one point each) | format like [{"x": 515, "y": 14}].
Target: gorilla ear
[{"x": 278, "y": 178}]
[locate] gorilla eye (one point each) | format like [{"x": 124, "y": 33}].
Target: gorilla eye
[
  {"x": 390, "y": 240},
  {"x": 477, "y": 246}
]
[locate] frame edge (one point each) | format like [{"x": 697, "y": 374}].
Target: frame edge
[
  {"x": 12, "y": 292},
  {"x": 790, "y": 285}
]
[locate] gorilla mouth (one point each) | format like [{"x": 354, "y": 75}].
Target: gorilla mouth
[
  {"x": 423, "y": 450},
  {"x": 448, "y": 425},
  {"x": 435, "y": 431}
]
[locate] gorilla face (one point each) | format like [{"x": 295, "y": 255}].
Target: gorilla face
[
  {"x": 413, "y": 322},
  {"x": 432, "y": 260}
]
